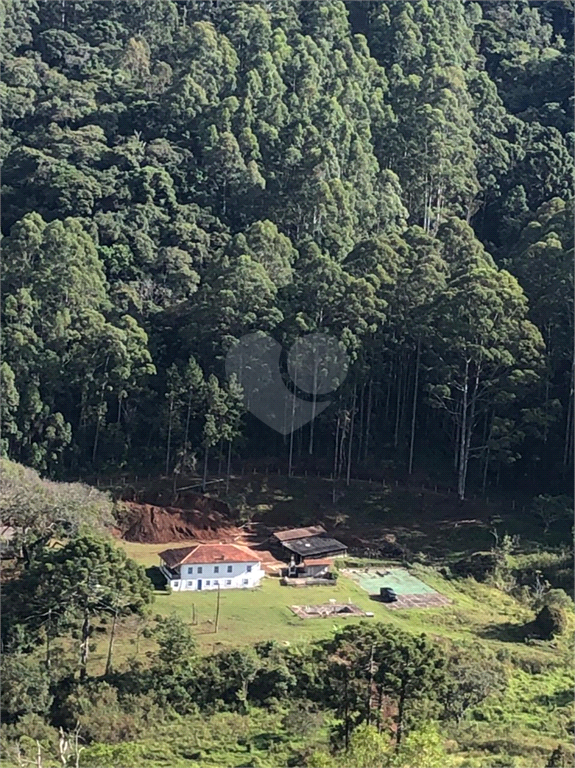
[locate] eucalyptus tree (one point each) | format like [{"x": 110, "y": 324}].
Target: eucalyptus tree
[{"x": 485, "y": 351}]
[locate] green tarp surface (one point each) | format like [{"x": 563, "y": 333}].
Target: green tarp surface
[{"x": 400, "y": 580}]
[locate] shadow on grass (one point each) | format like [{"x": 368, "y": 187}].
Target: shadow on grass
[
  {"x": 506, "y": 632},
  {"x": 556, "y": 699}
]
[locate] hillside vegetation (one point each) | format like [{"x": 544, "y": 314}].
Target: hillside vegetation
[
  {"x": 363, "y": 203},
  {"x": 395, "y": 175}
]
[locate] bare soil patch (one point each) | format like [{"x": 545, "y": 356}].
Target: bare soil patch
[{"x": 151, "y": 524}]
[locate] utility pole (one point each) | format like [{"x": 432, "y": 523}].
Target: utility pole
[{"x": 217, "y": 611}]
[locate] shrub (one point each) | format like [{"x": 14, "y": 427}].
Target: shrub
[
  {"x": 553, "y": 567},
  {"x": 559, "y": 598},
  {"x": 479, "y": 565},
  {"x": 99, "y": 754},
  {"x": 550, "y": 622}
]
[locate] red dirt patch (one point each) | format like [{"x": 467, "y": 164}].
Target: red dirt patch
[{"x": 150, "y": 524}]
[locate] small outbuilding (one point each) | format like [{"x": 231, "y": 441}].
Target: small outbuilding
[{"x": 307, "y": 544}]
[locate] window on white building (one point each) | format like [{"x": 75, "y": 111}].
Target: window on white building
[
  {"x": 175, "y": 584},
  {"x": 190, "y": 584},
  {"x": 245, "y": 582},
  {"x": 216, "y": 568},
  {"x": 199, "y": 569},
  {"x": 228, "y": 582},
  {"x": 230, "y": 568},
  {"x": 249, "y": 568},
  {"x": 207, "y": 582},
  {"x": 216, "y": 583},
  {"x": 190, "y": 571}
]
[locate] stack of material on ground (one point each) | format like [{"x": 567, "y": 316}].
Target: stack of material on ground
[{"x": 326, "y": 610}]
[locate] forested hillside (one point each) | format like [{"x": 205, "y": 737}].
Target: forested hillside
[{"x": 395, "y": 174}]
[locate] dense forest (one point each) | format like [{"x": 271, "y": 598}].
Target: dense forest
[
  {"x": 393, "y": 176},
  {"x": 397, "y": 175}
]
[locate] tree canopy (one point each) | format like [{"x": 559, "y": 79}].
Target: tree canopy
[{"x": 399, "y": 176}]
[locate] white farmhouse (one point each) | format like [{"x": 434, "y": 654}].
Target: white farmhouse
[{"x": 211, "y": 566}]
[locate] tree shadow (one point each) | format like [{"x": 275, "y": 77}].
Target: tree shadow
[
  {"x": 562, "y": 698},
  {"x": 506, "y": 632}
]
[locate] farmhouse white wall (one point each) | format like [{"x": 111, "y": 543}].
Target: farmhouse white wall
[{"x": 239, "y": 576}]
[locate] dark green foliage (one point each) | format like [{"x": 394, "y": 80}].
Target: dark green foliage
[
  {"x": 479, "y": 565},
  {"x": 550, "y": 622},
  {"x": 25, "y": 687},
  {"x": 559, "y": 758},
  {"x": 68, "y": 586},
  {"x": 179, "y": 174},
  {"x": 471, "y": 679}
]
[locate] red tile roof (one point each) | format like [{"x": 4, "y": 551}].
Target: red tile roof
[
  {"x": 299, "y": 533},
  {"x": 209, "y": 553},
  {"x": 318, "y": 561}
]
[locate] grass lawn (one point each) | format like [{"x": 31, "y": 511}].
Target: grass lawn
[
  {"x": 147, "y": 554},
  {"x": 529, "y": 719},
  {"x": 247, "y": 616}
]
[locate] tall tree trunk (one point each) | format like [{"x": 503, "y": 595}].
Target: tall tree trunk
[
  {"x": 397, "y": 404},
  {"x": 369, "y": 686},
  {"x": 99, "y": 416},
  {"x": 313, "y": 404},
  {"x": 349, "y": 448},
  {"x": 169, "y": 440},
  {"x": 228, "y": 467},
  {"x": 402, "y": 410},
  {"x": 368, "y": 420},
  {"x": 48, "y": 638},
  {"x": 335, "y": 455},
  {"x": 414, "y": 406},
  {"x": 457, "y": 438},
  {"x": 187, "y": 428},
  {"x": 379, "y": 706},
  {"x": 108, "y": 670},
  {"x": 400, "y": 716},
  {"x": 486, "y": 442},
  {"x": 285, "y": 420},
  {"x": 361, "y": 423},
  {"x": 343, "y": 436},
  {"x": 568, "y": 446},
  {"x": 470, "y": 426},
  {"x": 291, "y": 437},
  {"x": 220, "y": 456},
  {"x": 463, "y": 437},
  {"x": 85, "y": 644},
  {"x": 388, "y": 394},
  {"x": 205, "y": 474}
]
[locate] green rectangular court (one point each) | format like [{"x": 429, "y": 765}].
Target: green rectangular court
[
  {"x": 398, "y": 579},
  {"x": 411, "y": 592}
]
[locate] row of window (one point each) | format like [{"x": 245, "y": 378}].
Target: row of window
[
  {"x": 228, "y": 582},
  {"x": 200, "y": 569}
]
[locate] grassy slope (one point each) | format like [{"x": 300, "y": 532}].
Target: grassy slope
[{"x": 525, "y": 724}]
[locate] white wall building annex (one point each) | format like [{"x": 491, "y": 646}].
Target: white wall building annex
[{"x": 211, "y": 566}]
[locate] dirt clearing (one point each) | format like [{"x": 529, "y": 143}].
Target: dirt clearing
[{"x": 151, "y": 524}]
